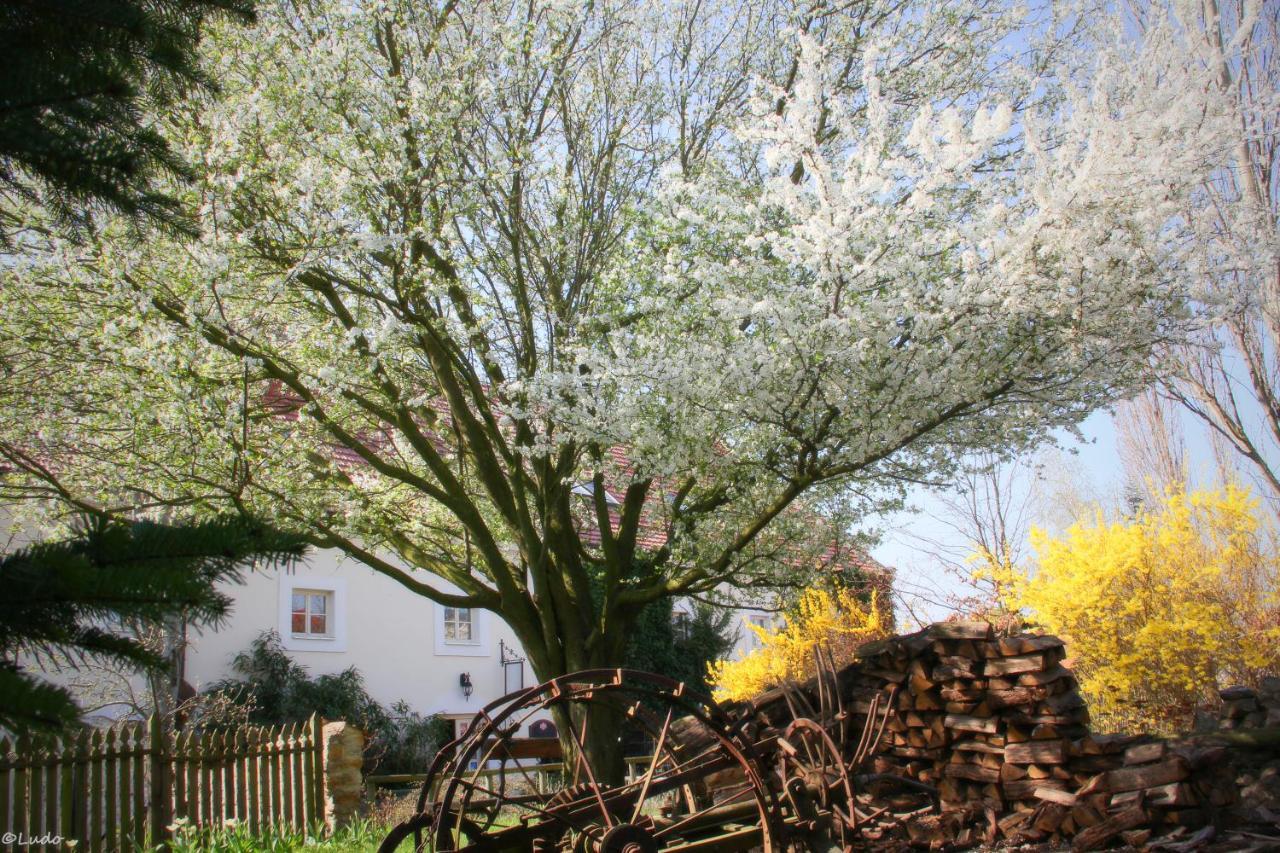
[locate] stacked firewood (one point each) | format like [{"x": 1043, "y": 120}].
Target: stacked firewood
[
  {"x": 1246, "y": 708},
  {"x": 998, "y": 726}
]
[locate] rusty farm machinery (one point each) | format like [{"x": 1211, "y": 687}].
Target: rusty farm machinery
[{"x": 783, "y": 772}]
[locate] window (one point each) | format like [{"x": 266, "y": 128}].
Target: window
[
  {"x": 758, "y": 620},
  {"x": 681, "y": 624},
  {"x": 462, "y": 632},
  {"x": 312, "y": 608},
  {"x": 310, "y": 613},
  {"x": 459, "y": 627}
]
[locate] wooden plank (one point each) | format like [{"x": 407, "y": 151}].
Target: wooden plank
[
  {"x": 252, "y": 783},
  {"x": 35, "y": 776},
  {"x": 215, "y": 760},
  {"x": 208, "y": 815},
  {"x": 110, "y": 790},
  {"x": 1019, "y": 664},
  {"x": 267, "y": 782},
  {"x": 315, "y": 772},
  {"x": 191, "y": 766},
  {"x": 1175, "y": 794},
  {"x": 1036, "y": 752},
  {"x": 80, "y": 787},
  {"x": 5, "y": 788},
  {"x": 1025, "y": 789},
  {"x": 52, "y": 814},
  {"x": 1099, "y": 834},
  {"x": 139, "y": 787},
  {"x": 978, "y": 746},
  {"x": 1175, "y": 769},
  {"x": 159, "y": 751},
  {"x": 240, "y": 748},
  {"x": 178, "y": 769},
  {"x": 1011, "y": 646},
  {"x": 972, "y": 772},
  {"x": 1054, "y": 795},
  {"x": 127, "y": 804},
  {"x": 21, "y": 807},
  {"x": 1145, "y": 753},
  {"x": 97, "y": 792},
  {"x": 971, "y": 630},
  {"x": 286, "y": 775},
  {"x": 299, "y": 778},
  {"x": 66, "y": 788},
  {"x": 959, "y": 722}
]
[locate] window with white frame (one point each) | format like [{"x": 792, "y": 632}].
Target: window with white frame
[
  {"x": 459, "y": 625},
  {"x": 311, "y": 613},
  {"x": 462, "y": 632},
  {"x": 761, "y": 621}
]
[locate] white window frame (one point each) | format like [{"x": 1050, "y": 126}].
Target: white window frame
[
  {"x": 476, "y": 647},
  {"x": 470, "y": 622},
  {"x": 309, "y": 596},
  {"x": 336, "y": 589}
]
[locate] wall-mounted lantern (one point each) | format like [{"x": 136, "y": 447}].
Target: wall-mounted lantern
[{"x": 464, "y": 681}]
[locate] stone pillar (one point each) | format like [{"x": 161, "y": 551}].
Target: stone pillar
[{"x": 342, "y": 747}]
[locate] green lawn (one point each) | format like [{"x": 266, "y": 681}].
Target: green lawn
[{"x": 361, "y": 837}]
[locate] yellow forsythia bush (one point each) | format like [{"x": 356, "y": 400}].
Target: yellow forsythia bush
[
  {"x": 1162, "y": 609},
  {"x": 838, "y": 620}
]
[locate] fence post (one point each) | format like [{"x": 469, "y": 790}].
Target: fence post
[
  {"x": 159, "y": 773},
  {"x": 315, "y": 768},
  {"x": 343, "y": 757}
]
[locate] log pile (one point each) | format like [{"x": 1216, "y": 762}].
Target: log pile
[
  {"x": 998, "y": 726},
  {"x": 1246, "y": 708}
]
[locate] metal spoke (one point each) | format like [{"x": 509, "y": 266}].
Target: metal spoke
[
  {"x": 591, "y": 775},
  {"x": 653, "y": 765}
]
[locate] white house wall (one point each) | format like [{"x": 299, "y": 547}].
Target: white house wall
[{"x": 391, "y": 635}]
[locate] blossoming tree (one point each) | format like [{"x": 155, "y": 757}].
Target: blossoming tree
[{"x": 454, "y": 255}]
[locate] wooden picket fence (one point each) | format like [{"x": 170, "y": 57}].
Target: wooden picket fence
[{"x": 120, "y": 789}]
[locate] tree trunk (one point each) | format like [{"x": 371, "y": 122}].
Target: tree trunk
[
  {"x": 590, "y": 730},
  {"x": 591, "y": 738}
]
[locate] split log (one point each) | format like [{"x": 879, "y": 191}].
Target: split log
[
  {"x": 1175, "y": 769},
  {"x": 1099, "y": 834},
  {"x": 1036, "y": 752},
  {"x": 1008, "y": 666}
]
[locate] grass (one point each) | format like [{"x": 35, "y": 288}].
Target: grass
[{"x": 360, "y": 837}]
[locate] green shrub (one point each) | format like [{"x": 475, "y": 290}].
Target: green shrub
[{"x": 274, "y": 689}]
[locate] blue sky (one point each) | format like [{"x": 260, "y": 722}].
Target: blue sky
[{"x": 1094, "y": 462}]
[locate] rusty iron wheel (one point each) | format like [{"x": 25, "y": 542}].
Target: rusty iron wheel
[
  {"x": 818, "y": 789},
  {"x": 658, "y": 807},
  {"x": 629, "y": 838}
]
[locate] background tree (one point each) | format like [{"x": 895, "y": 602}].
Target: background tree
[
  {"x": 67, "y": 598},
  {"x": 1152, "y": 448},
  {"x": 1228, "y": 376},
  {"x": 1162, "y": 609},
  {"x": 455, "y": 258},
  {"x": 84, "y": 79},
  {"x": 835, "y": 621},
  {"x": 982, "y": 522},
  {"x": 681, "y": 647}
]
